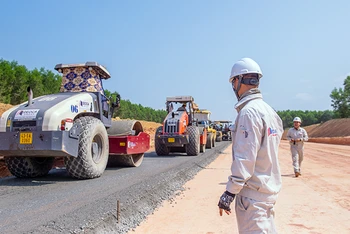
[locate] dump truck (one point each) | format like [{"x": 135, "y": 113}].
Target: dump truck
[
  {"x": 75, "y": 124},
  {"x": 180, "y": 131},
  {"x": 203, "y": 118}
]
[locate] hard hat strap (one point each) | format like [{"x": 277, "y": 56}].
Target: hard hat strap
[{"x": 250, "y": 81}]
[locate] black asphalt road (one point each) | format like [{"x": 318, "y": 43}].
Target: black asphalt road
[{"x": 59, "y": 204}]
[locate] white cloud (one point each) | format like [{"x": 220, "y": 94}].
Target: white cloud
[{"x": 304, "y": 96}]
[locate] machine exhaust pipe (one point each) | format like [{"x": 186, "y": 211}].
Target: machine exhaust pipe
[{"x": 30, "y": 96}]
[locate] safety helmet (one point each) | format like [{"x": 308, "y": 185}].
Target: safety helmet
[
  {"x": 245, "y": 66},
  {"x": 297, "y": 119}
]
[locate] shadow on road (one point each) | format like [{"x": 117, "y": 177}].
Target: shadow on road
[
  {"x": 153, "y": 154},
  {"x": 288, "y": 175},
  {"x": 56, "y": 175}
]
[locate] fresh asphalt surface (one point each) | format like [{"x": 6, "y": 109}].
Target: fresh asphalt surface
[{"x": 57, "y": 203}]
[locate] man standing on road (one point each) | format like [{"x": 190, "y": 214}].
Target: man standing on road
[
  {"x": 296, "y": 137},
  {"x": 255, "y": 178}
]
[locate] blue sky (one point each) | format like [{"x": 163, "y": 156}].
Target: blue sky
[{"x": 155, "y": 49}]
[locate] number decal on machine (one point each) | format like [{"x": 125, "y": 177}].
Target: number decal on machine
[{"x": 74, "y": 108}]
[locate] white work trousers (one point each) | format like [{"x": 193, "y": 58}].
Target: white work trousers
[
  {"x": 297, "y": 156},
  {"x": 254, "y": 217}
]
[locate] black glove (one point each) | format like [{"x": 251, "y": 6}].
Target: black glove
[{"x": 225, "y": 200}]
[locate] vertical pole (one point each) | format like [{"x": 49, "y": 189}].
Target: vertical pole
[{"x": 118, "y": 211}]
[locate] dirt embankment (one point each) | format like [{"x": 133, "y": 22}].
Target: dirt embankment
[
  {"x": 4, "y": 107},
  {"x": 335, "y": 131}
]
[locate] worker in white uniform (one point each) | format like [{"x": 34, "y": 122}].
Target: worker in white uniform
[
  {"x": 255, "y": 179},
  {"x": 297, "y": 136}
]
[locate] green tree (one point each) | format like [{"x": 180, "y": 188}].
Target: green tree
[
  {"x": 326, "y": 115},
  {"x": 341, "y": 100},
  {"x": 308, "y": 117},
  {"x": 16, "y": 78}
]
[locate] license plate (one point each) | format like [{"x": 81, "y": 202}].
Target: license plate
[
  {"x": 171, "y": 140},
  {"x": 26, "y": 138}
]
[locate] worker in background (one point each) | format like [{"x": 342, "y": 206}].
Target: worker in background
[{"x": 296, "y": 136}]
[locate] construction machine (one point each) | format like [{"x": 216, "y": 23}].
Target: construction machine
[
  {"x": 180, "y": 131},
  {"x": 203, "y": 118},
  {"x": 223, "y": 127},
  {"x": 75, "y": 124}
]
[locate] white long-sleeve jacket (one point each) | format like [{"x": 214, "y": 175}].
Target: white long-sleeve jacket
[
  {"x": 295, "y": 134},
  {"x": 255, "y": 168}
]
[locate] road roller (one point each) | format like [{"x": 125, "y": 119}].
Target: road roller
[{"x": 76, "y": 124}]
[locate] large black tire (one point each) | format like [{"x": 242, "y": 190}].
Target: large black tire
[
  {"x": 213, "y": 140},
  {"x": 193, "y": 147},
  {"x": 92, "y": 152},
  {"x": 209, "y": 141},
  {"x": 161, "y": 149},
  {"x": 24, "y": 167}
]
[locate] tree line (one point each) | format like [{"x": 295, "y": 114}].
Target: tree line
[
  {"x": 15, "y": 78},
  {"x": 341, "y": 100},
  {"x": 128, "y": 110},
  {"x": 307, "y": 117}
]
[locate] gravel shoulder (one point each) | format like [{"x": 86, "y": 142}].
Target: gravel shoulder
[{"x": 59, "y": 204}]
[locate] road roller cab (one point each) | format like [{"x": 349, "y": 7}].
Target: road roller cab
[
  {"x": 71, "y": 124},
  {"x": 180, "y": 131}
]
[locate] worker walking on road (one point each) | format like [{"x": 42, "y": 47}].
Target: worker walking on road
[
  {"x": 296, "y": 136},
  {"x": 255, "y": 179}
]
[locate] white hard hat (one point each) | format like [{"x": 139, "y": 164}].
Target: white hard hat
[
  {"x": 245, "y": 66},
  {"x": 297, "y": 119}
]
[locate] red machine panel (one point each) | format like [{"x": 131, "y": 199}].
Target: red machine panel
[{"x": 129, "y": 144}]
